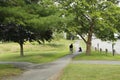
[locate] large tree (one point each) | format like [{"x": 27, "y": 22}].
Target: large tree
[
  {"x": 27, "y": 20},
  {"x": 98, "y": 17}
]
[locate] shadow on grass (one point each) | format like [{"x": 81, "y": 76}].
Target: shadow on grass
[
  {"x": 97, "y": 56},
  {"x": 45, "y": 54},
  {"x": 55, "y": 45}
]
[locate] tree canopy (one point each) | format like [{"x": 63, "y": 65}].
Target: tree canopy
[
  {"x": 27, "y": 20},
  {"x": 36, "y": 20},
  {"x": 98, "y": 17}
]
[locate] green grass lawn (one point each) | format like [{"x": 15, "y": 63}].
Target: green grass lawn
[
  {"x": 34, "y": 52},
  {"x": 97, "y": 56},
  {"x": 8, "y": 70},
  {"x": 91, "y": 72}
]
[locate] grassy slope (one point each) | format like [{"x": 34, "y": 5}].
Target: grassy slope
[
  {"x": 91, "y": 72},
  {"x": 34, "y": 52}
]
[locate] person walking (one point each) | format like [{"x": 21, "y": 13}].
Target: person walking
[{"x": 71, "y": 48}]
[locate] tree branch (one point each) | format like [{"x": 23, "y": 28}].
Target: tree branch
[
  {"x": 83, "y": 38},
  {"x": 87, "y": 17}
]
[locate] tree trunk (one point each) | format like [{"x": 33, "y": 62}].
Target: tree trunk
[
  {"x": 21, "y": 50},
  {"x": 89, "y": 41},
  {"x": 88, "y": 45}
]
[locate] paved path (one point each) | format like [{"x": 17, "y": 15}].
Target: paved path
[
  {"x": 51, "y": 71},
  {"x": 97, "y": 62},
  {"x": 48, "y": 71}
]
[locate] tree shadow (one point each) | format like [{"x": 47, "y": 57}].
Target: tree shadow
[{"x": 55, "y": 45}]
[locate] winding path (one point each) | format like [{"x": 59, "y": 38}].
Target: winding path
[
  {"x": 97, "y": 62},
  {"x": 48, "y": 71},
  {"x": 52, "y": 70}
]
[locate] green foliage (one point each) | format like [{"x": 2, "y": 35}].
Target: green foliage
[
  {"x": 31, "y": 20},
  {"x": 20, "y": 15},
  {"x": 98, "y": 17},
  {"x": 10, "y": 3},
  {"x": 99, "y": 14}
]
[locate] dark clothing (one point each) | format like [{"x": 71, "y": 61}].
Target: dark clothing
[
  {"x": 80, "y": 49},
  {"x": 71, "y": 46}
]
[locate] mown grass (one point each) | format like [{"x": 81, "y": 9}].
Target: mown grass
[
  {"x": 91, "y": 72},
  {"x": 35, "y": 52},
  {"x": 78, "y": 71},
  {"x": 95, "y": 55},
  {"x": 8, "y": 70}
]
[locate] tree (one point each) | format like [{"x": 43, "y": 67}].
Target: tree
[
  {"x": 90, "y": 17},
  {"x": 27, "y": 20},
  {"x": 16, "y": 33},
  {"x": 13, "y": 23}
]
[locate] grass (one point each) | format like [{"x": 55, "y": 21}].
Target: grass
[
  {"x": 91, "y": 72},
  {"x": 95, "y": 55},
  {"x": 8, "y": 70},
  {"x": 34, "y": 52}
]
